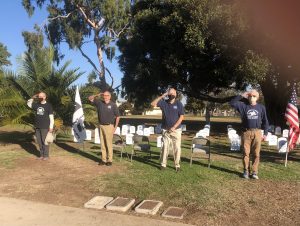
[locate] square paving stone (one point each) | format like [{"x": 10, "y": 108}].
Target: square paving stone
[
  {"x": 174, "y": 212},
  {"x": 148, "y": 207},
  {"x": 120, "y": 204},
  {"x": 98, "y": 202}
]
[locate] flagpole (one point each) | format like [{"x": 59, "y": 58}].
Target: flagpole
[{"x": 286, "y": 155}]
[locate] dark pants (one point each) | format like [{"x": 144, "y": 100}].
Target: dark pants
[{"x": 40, "y": 137}]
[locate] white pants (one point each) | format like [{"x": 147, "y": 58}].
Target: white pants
[{"x": 171, "y": 140}]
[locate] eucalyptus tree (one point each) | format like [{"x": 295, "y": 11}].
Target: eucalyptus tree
[{"x": 79, "y": 22}]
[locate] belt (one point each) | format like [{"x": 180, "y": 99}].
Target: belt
[{"x": 105, "y": 124}]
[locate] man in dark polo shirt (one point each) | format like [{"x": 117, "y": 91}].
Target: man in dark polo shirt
[
  {"x": 254, "y": 119},
  {"x": 172, "y": 116},
  {"x": 108, "y": 116},
  {"x": 44, "y": 121}
]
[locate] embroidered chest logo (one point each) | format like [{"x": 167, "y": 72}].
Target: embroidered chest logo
[
  {"x": 252, "y": 114},
  {"x": 40, "y": 111},
  {"x": 175, "y": 107},
  {"x": 109, "y": 106}
]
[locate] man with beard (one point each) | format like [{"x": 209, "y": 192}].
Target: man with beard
[
  {"x": 172, "y": 116},
  {"x": 44, "y": 121}
]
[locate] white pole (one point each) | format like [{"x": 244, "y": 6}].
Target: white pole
[{"x": 286, "y": 154}]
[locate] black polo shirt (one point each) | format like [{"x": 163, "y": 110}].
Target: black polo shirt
[
  {"x": 170, "y": 113},
  {"x": 42, "y": 112},
  {"x": 107, "y": 113}
]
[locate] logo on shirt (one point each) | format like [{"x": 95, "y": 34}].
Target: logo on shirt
[
  {"x": 252, "y": 114},
  {"x": 40, "y": 111},
  {"x": 109, "y": 106},
  {"x": 175, "y": 107}
]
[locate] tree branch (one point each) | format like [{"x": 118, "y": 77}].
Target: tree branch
[
  {"x": 112, "y": 79},
  {"x": 89, "y": 60},
  {"x": 60, "y": 16},
  {"x": 91, "y": 23},
  {"x": 117, "y": 35},
  {"x": 205, "y": 97}
]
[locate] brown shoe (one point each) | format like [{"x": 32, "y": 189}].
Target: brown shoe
[{"x": 109, "y": 163}]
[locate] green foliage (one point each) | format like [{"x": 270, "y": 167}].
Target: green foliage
[
  {"x": 125, "y": 106},
  {"x": 78, "y": 21},
  {"x": 37, "y": 73},
  {"x": 194, "y": 105},
  {"x": 4, "y": 55}
]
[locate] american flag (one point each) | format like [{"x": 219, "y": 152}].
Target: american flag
[{"x": 291, "y": 115}]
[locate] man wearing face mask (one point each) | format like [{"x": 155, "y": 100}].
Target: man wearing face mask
[
  {"x": 44, "y": 121},
  {"x": 254, "y": 119},
  {"x": 172, "y": 116}
]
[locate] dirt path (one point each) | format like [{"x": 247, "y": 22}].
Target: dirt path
[
  {"x": 63, "y": 180},
  {"x": 15, "y": 212}
]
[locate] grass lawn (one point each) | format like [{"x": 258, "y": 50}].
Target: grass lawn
[{"x": 217, "y": 194}]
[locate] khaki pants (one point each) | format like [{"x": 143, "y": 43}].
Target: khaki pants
[
  {"x": 106, "y": 140},
  {"x": 252, "y": 143},
  {"x": 171, "y": 140}
]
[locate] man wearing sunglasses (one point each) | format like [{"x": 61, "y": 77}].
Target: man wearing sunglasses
[
  {"x": 108, "y": 116},
  {"x": 254, "y": 119}
]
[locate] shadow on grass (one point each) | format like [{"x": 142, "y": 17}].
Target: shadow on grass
[
  {"x": 31, "y": 148},
  {"x": 24, "y": 139},
  {"x": 222, "y": 169},
  {"x": 74, "y": 150}
]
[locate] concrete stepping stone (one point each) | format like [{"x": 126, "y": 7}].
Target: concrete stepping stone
[
  {"x": 174, "y": 212},
  {"x": 148, "y": 207},
  {"x": 120, "y": 204},
  {"x": 98, "y": 202}
]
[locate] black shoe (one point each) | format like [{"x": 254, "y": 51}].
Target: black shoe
[
  {"x": 101, "y": 163},
  {"x": 162, "y": 167},
  {"x": 109, "y": 163},
  {"x": 178, "y": 169}
]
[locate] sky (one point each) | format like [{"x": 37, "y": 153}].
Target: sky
[{"x": 14, "y": 19}]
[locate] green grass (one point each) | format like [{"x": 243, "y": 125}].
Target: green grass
[
  {"x": 8, "y": 158},
  {"x": 219, "y": 188},
  {"x": 198, "y": 185}
]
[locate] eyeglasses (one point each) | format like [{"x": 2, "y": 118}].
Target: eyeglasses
[{"x": 252, "y": 96}]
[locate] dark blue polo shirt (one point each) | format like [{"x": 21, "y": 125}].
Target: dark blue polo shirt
[
  {"x": 253, "y": 116},
  {"x": 170, "y": 113},
  {"x": 107, "y": 113}
]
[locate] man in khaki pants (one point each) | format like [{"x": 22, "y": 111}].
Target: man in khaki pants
[
  {"x": 108, "y": 116},
  {"x": 254, "y": 118},
  {"x": 172, "y": 116}
]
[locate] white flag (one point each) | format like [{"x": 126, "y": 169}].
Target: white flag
[{"x": 78, "y": 119}]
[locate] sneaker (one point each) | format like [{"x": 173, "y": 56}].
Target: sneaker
[
  {"x": 178, "y": 169},
  {"x": 109, "y": 163},
  {"x": 246, "y": 175},
  {"x": 39, "y": 158},
  {"x": 162, "y": 167},
  {"x": 45, "y": 158},
  {"x": 254, "y": 176}
]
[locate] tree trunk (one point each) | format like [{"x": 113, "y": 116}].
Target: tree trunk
[{"x": 276, "y": 99}]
